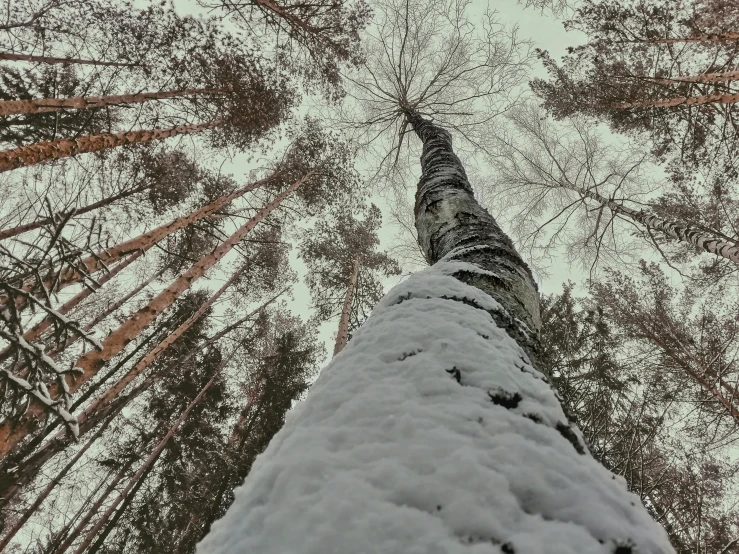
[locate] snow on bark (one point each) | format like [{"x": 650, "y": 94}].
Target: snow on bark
[{"x": 433, "y": 432}]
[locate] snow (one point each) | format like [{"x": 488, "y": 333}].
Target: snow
[{"x": 390, "y": 454}]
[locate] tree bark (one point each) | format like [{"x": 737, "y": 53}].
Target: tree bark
[
  {"x": 343, "y": 334},
  {"x": 698, "y": 238},
  {"x": 20, "y": 229},
  {"x": 433, "y": 431},
  {"x": 46, "y": 105},
  {"x": 91, "y": 362},
  {"x": 51, "y": 60},
  {"x": 681, "y": 101},
  {"x": 144, "y": 467},
  {"x": 40, "y": 152}
]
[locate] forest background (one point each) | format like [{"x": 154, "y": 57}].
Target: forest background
[{"x": 112, "y": 417}]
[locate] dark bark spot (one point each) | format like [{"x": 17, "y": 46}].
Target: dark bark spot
[
  {"x": 454, "y": 372},
  {"x": 624, "y": 548},
  {"x": 438, "y": 507},
  {"x": 509, "y": 400},
  {"x": 507, "y": 548},
  {"x": 567, "y": 432},
  {"x": 409, "y": 354}
]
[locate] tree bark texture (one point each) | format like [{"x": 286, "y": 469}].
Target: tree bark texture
[
  {"x": 343, "y": 334},
  {"x": 91, "y": 362},
  {"x": 433, "y": 431},
  {"x": 51, "y": 60},
  {"x": 40, "y": 152},
  {"x": 47, "y": 105}
]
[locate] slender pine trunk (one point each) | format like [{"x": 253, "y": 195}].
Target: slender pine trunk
[
  {"x": 721, "y": 77},
  {"x": 53, "y": 60},
  {"x": 680, "y": 101},
  {"x": 342, "y": 335},
  {"x": 91, "y": 362},
  {"x": 41, "y": 152},
  {"x": 433, "y": 430},
  {"x": 48, "y": 105},
  {"x": 20, "y": 229}
]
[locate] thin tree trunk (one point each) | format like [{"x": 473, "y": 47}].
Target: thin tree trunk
[
  {"x": 279, "y": 11},
  {"x": 143, "y": 242},
  {"x": 703, "y": 78},
  {"x": 47, "y": 105},
  {"x": 698, "y": 38},
  {"x": 698, "y": 238},
  {"x": 54, "y": 482},
  {"x": 20, "y": 229},
  {"x": 91, "y": 362},
  {"x": 98, "y": 504},
  {"x": 433, "y": 429},
  {"x": 41, "y": 152},
  {"x": 51, "y": 60},
  {"x": 681, "y": 101},
  {"x": 343, "y": 334},
  {"x": 144, "y": 467}
]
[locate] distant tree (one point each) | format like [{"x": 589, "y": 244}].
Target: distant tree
[{"x": 344, "y": 268}]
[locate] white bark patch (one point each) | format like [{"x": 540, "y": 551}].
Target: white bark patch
[{"x": 391, "y": 454}]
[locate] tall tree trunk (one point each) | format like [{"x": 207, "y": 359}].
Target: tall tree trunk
[
  {"x": 703, "y": 78},
  {"x": 91, "y": 362},
  {"x": 46, "y": 105},
  {"x": 433, "y": 428},
  {"x": 95, "y": 509},
  {"x": 702, "y": 240},
  {"x": 681, "y": 101},
  {"x": 722, "y": 37},
  {"x": 343, "y": 334},
  {"x": 143, "y": 242},
  {"x": 20, "y": 229},
  {"x": 51, "y": 59},
  {"x": 40, "y": 152},
  {"x": 144, "y": 467}
]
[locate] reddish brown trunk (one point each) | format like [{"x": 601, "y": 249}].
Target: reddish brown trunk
[
  {"x": 45, "y": 105},
  {"x": 343, "y": 335},
  {"x": 91, "y": 362},
  {"x": 20, "y": 229},
  {"x": 51, "y": 59},
  {"x": 275, "y": 8},
  {"x": 143, "y": 242},
  {"x": 144, "y": 467},
  {"x": 703, "y": 78},
  {"x": 681, "y": 101},
  {"x": 40, "y": 152}
]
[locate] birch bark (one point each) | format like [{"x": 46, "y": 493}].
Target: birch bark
[{"x": 343, "y": 334}]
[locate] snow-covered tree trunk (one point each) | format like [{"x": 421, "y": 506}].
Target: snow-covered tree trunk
[{"x": 433, "y": 431}]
